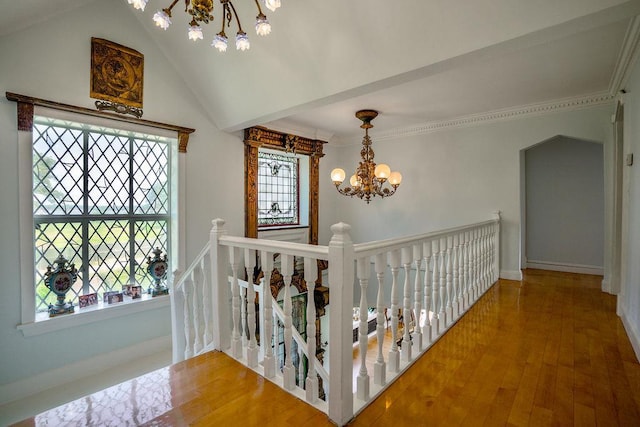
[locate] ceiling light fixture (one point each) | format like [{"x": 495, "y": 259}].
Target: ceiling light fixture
[
  {"x": 369, "y": 179},
  {"x": 201, "y": 11}
]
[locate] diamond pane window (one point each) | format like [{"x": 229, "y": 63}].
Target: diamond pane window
[
  {"x": 101, "y": 198},
  {"x": 278, "y": 190}
]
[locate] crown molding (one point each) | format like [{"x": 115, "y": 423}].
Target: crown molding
[
  {"x": 626, "y": 58},
  {"x": 520, "y": 112}
]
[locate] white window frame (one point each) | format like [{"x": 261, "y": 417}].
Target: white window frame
[{"x": 29, "y": 325}]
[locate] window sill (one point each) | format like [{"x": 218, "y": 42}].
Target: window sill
[{"x": 44, "y": 324}]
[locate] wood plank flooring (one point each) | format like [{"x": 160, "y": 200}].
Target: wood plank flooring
[{"x": 545, "y": 351}]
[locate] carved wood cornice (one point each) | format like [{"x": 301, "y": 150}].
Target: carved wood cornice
[
  {"x": 25, "y": 116},
  {"x": 263, "y": 137}
]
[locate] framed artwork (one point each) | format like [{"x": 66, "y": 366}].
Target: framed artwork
[
  {"x": 87, "y": 300},
  {"x": 117, "y": 74}
]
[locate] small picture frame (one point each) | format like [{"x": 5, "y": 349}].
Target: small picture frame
[
  {"x": 87, "y": 300},
  {"x": 115, "y": 298},
  {"x": 126, "y": 290},
  {"x": 136, "y": 292},
  {"x": 107, "y": 294}
]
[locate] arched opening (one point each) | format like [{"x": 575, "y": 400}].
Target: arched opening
[{"x": 562, "y": 197}]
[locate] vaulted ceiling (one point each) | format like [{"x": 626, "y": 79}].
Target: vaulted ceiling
[{"x": 420, "y": 63}]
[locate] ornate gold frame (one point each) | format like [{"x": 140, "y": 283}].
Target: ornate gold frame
[
  {"x": 117, "y": 77},
  {"x": 258, "y": 136}
]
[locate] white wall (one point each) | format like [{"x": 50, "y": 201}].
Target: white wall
[
  {"x": 629, "y": 298},
  {"x": 52, "y": 61},
  {"x": 565, "y": 205},
  {"x": 455, "y": 177}
]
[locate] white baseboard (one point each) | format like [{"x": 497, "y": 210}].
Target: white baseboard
[
  {"x": 568, "y": 268},
  {"x": 632, "y": 332},
  {"x": 85, "y": 368},
  {"x": 511, "y": 274}
]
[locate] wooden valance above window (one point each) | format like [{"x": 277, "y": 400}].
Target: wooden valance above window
[{"x": 25, "y": 116}]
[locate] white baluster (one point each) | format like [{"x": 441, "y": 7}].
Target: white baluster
[
  {"x": 435, "y": 321},
  {"x": 236, "y": 341},
  {"x": 380, "y": 367},
  {"x": 472, "y": 266},
  {"x": 252, "y": 348},
  {"x": 449, "y": 266},
  {"x": 485, "y": 258},
  {"x": 186, "y": 290},
  {"x": 405, "y": 350},
  {"x": 206, "y": 303},
  {"x": 417, "y": 308},
  {"x": 461, "y": 276},
  {"x": 288, "y": 372},
  {"x": 266, "y": 305},
  {"x": 394, "y": 354},
  {"x": 455, "y": 302},
  {"x": 362, "y": 382},
  {"x": 426, "y": 329},
  {"x": 467, "y": 276},
  {"x": 442, "y": 317},
  {"x": 300, "y": 365},
  {"x": 197, "y": 314},
  {"x": 310, "y": 276}
]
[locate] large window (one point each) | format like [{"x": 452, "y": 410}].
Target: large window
[
  {"x": 278, "y": 189},
  {"x": 102, "y": 198}
]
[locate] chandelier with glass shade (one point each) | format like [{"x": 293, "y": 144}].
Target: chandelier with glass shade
[
  {"x": 369, "y": 179},
  {"x": 201, "y": 12}
]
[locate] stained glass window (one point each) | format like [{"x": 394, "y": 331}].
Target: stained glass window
[{"x": 278, "y": 189}]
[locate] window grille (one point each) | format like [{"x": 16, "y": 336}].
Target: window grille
[
  {"x": 278, "y": 189},
  {"x": 101, "y": 198}
]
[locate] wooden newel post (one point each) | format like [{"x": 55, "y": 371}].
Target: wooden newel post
[
  {"x": 341, "y": 276},
  {"x": 220, "y": 289}
]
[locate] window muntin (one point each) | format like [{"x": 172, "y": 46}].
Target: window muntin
[
  {"x": 101, "y": 197},
  {"x": 278, "y": 189}
]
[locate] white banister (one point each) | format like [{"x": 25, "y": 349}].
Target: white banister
[{"x": 213, "y": 307}]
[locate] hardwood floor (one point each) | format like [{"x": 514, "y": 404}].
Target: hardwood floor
[{"x": 549, "y": 350}]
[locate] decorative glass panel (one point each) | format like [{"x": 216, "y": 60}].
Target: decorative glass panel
[{"x": 277, "y": 189}]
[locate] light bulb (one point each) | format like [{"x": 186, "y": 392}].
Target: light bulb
[
  {"x": 395, "y": 178},
  {"x": 162, "y": 19},
  {"x": 242, "y": 41},
  {"x": 337, "y": 175},
  {"x": 382, "y": 171},
  {"x": 195, "y": 32},
  {"x": 220, "y": 42},
  {"x": 262, "y": 25},
  {"x": 272, "y": 5},
  {"x": 354, "y": 181},
  {"x": 138, "y": 4}
]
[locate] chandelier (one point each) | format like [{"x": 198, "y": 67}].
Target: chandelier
[
  {"x": 201, "y": 12},
  {"x": 369, "y": 179}
]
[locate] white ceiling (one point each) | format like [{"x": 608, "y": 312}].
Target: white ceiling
[{"x": 417, "y": 62}]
